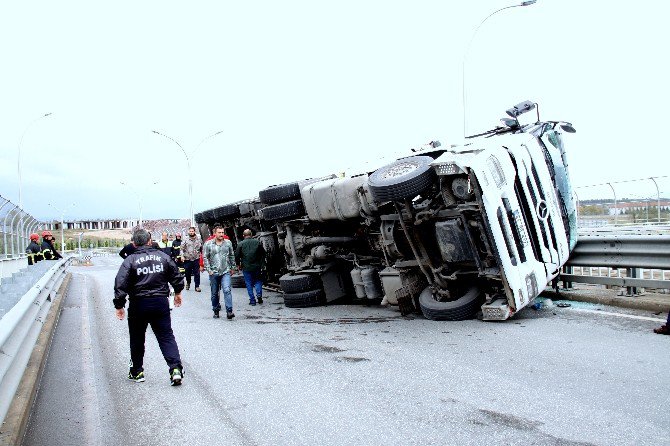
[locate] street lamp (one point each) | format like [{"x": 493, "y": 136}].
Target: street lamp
[
  {"x": 658, "y": 199},
  {"x": 18, "y": 162},
  {"x": 615, "y": 207},
  {"x": 465, "y": 54},
  {"x": 62, "y": 224},
  {"x": 188, "y": 164},
  {"x": 137, "y": 195}
]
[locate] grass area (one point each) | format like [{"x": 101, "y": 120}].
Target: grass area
[{"x": 92, "y": 238}]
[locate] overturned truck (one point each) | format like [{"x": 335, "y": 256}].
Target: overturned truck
[{"x": 448, "y": 232}]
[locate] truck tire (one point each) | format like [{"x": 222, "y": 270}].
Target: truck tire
[
  {"x": 402, "y": 179},
  {"x": 298, "y": 283},
  {"x": 463, "y": 308},
  {"x": 204, "y": 230},
  {"x": 305, "y": 299},
  {"x": 279, "y": 193},
  {"x": 227, "y": 211},
  {"x": 237, "y": 281},
  {"x": 208, "y": 216},
  {"x": 283, "y": 211}
]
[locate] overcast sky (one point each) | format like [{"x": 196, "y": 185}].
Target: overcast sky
[{"x": 307, "y": 88}]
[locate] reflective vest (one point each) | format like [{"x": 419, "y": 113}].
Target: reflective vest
[{"x": 34, "y": 253}]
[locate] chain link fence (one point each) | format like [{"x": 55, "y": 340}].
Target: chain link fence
[{"x": 16, "y": 227}]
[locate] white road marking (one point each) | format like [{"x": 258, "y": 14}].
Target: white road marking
[
  {"x": 90, "y": 397},
  {"x": 630, "y": 316}
]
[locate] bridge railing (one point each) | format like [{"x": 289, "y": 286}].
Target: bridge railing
[
  {"x": 631, "y": 261},
  {"x": 20, "y": 327}
]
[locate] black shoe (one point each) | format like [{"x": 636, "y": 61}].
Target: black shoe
[
  {"x": 230, "y": 314},
  {"x": 176, "y": 375},
  {"x": 188, "y": 285},
  {"x": 137, "y": 377},
  {"x": 663, "y": 329},
  {"x": 216, "y": 314},
  {"x": 259, "y": 299}
]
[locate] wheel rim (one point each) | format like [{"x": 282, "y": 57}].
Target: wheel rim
[{"x": 400, "y": 170}]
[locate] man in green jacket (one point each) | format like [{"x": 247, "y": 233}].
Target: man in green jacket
[{"x": 250, "y": 256}]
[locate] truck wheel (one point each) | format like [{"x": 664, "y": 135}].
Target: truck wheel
[
  {"x": 203, "y": 228},
  {"x": 279, "y": 193},
  {"x": 283, "y": 211},
  {"x": 305, "y": 299},
  {"x": 402, "y": 179},
  {"x": 227, "y": 211},
  {"x": 237, "y": 281},
  {"x": 208, "y": 216},
  {"x": 298, "y": 283},
  {"x": 463, "y": 308}
]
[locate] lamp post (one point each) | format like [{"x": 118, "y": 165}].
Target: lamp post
[
  {"x": 615, "y": 207},
  {"x": 137, "y": 195},
  {"x": 18, "y": 161},
  {"x": 62, "y": 224},
  {"x": 188, "y": 164},
  {"x": 658, "y": 199},
  {"x": 467, "y": 49}
]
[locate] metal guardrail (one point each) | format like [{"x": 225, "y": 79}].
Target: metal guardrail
[
  {"x": 625, "y": 258},
  {"x": 625, "y": 251},
  {"x": 19, "y": 329}
]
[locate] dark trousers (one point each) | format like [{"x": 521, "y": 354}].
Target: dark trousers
[
  {"x": 192, "y": 268},
  {"x": 253, "y": 280},
  {"x": 154, "y": 311}
]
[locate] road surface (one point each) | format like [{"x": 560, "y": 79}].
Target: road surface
[{"x": 353, "y": 375}]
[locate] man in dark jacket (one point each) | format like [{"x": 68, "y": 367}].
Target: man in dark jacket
[
  {"x": 48, "y": 250},
  {"x": 127, "y": 250},
  {"x": 176, "y": 252},
  {"x": 250, "y": 256},
  {"x": 145, "y": 276},
  {"x": 34, "y": 250}
]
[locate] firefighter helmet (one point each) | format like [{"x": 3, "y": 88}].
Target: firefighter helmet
[
  {"x": 46, "y": 233},
  {"x": 34, "y": 237}
]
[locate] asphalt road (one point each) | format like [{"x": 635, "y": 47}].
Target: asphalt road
[{"x": 353, "y": 375}]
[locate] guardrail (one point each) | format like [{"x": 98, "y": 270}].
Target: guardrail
[
  {"x": 625, "y": 258},
  {"x": 19, "y": 329}
]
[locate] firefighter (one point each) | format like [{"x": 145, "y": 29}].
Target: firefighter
[
  {"x": 34, "y": 250},
  {"x": 176, "y": 252},
  {"x": 48, "y": 250}
]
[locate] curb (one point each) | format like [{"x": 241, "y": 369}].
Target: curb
[
  {"x": 16, "y": 420},
  {"x": 656, "y": 303}
]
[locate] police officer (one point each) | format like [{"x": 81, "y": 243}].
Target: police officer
[
  {"x": 34, "y": 250},
  {"x": 48, "y": 250},
  {"x": 144, "y": 276}
]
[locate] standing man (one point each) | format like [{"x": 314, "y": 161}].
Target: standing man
[
  {"x": 250, "y": 256},
  {"x": 219, "y": 259},
  {"x": 127, "y": 250},
  {"x": 144, "y": 276},
  {"x": 191, "y": 248},
  {"x": 176, "y": 252},
  {"x": 48, "y": 250},
  {"x": 34, "y": 250},
  {"x": 165, "y": 245}
]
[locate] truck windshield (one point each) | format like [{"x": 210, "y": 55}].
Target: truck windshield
[{"x": 563, "y": 185}]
